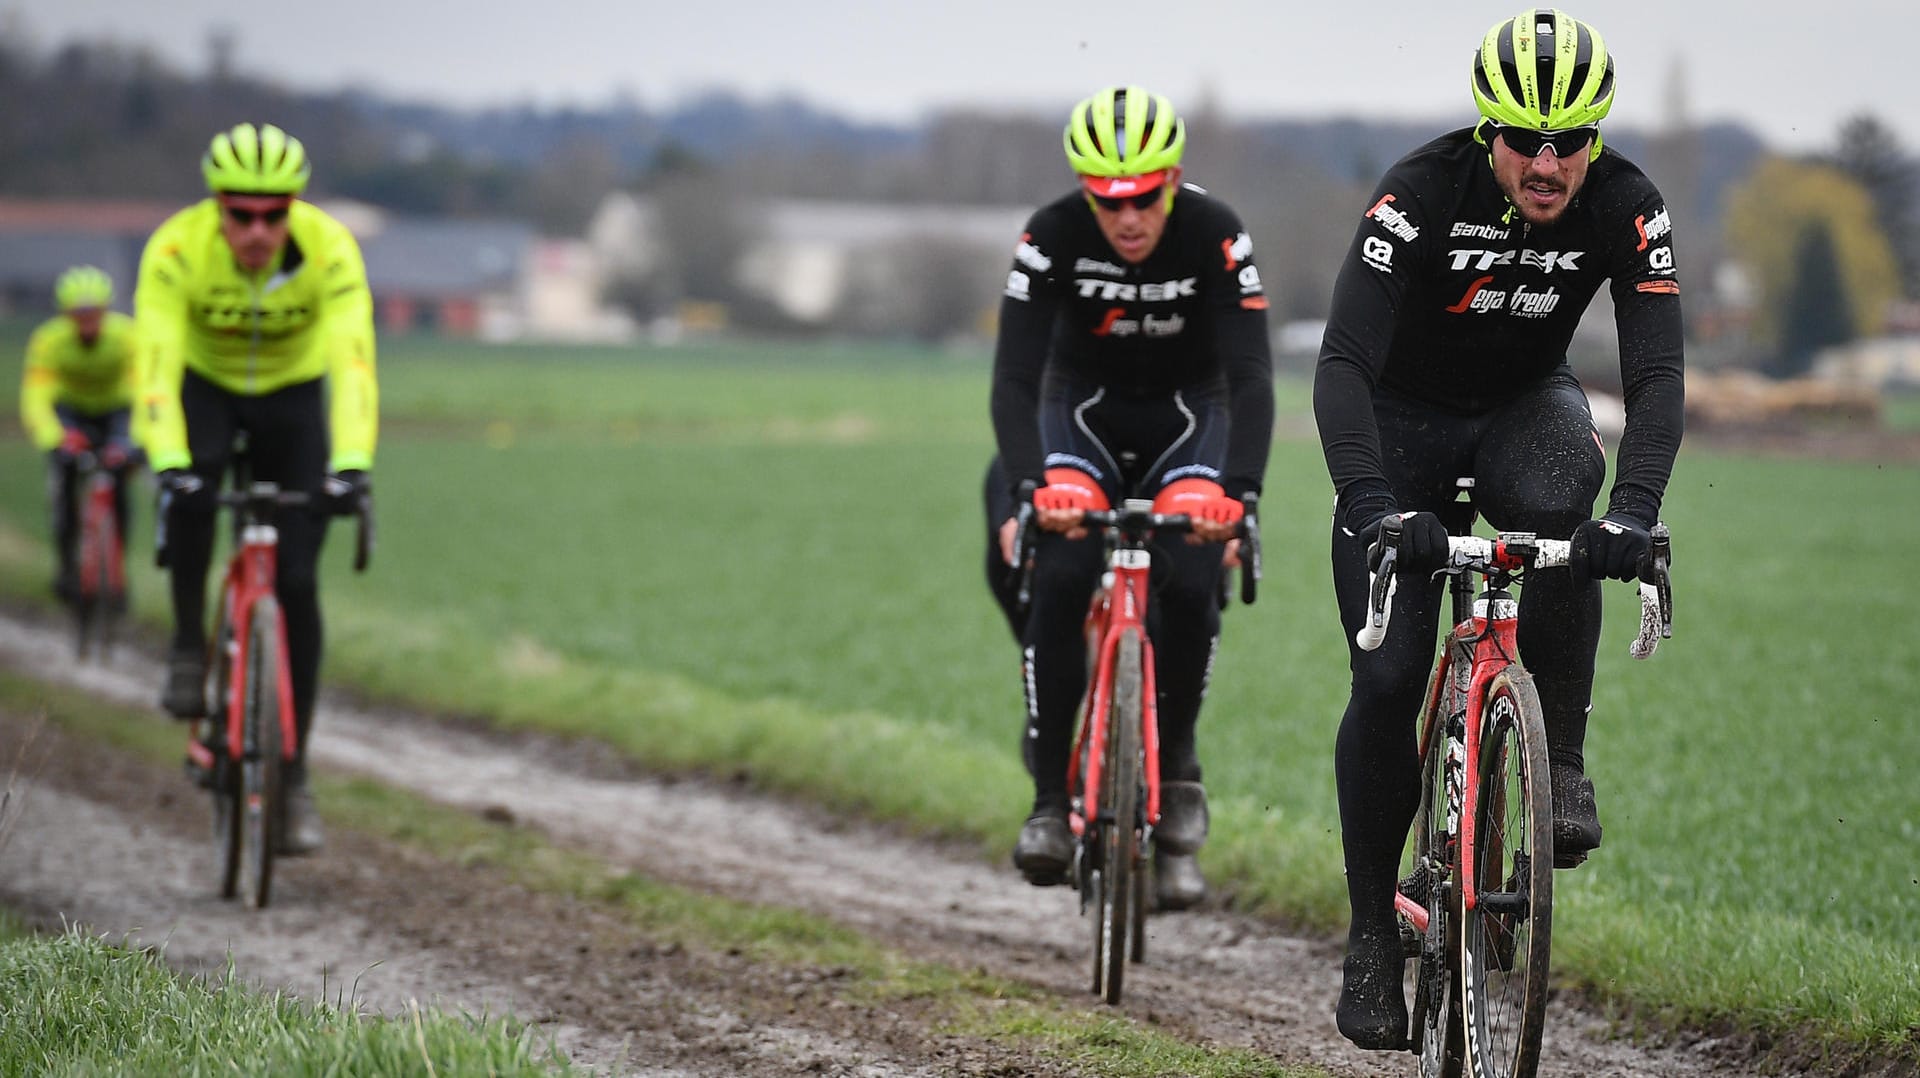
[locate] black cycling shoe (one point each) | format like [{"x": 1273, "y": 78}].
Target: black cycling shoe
[
  {"x": 186, "y": 692},
  {"x": 1177, "y": 882},
  {"x": 1576, "y": 819},
  {"x": 1373, "y": 1002},
  {"x": 1045, "y": 849},
  {"x": 300, "y": 831},
  {"x": 1183, "y": 818}
]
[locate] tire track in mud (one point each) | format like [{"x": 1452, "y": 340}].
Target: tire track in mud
[{"x": 1211, "y": 976}]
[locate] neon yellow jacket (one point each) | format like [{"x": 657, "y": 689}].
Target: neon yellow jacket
[
  {"x": 62, "y": 369},
  {"x": 311, "y": 316}
]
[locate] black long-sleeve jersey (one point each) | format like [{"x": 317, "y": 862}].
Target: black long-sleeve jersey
[
  {"x": 1191, "y": 317},
  {"x": 1449, "y": 298}
]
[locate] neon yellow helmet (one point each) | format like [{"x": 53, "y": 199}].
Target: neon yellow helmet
[
  {"x": 1124, "y": 131},
  {"x": 1544, "y": 70},
  {"x": 250, "y": 161},
  {"x": 81, "y": 287}
]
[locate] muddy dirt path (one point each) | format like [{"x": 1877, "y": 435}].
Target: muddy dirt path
[{"x": 1211, "y": 976}]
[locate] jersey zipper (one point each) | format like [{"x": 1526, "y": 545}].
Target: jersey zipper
[{"x": 253, "y": 349}]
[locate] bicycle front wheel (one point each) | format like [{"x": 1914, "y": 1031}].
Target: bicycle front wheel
[
  {"x": 1436, "y": 994},
  {"x": 260, "y": 792},
  {"x": 1119, "y": 821},
  {"x": 1505, "y": 936},
  {"x": 225, "y": 780},
  {"x": 90, "y": 606}
]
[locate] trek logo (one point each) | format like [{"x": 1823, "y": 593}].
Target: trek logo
[
  {"x": 1238, "y": 249},
  {"x": 1030, "y": 256},
  {"x": 1654, "y": 229},
  {"x": 1122, "y": 292},
  {"x": 1391, "y": 219},
  {"x": 1544, "y": 261},
  {"x": 1094, "y": 265},
  {"x": 1521, "y": 302},
  {"x": 1478, "y": 232},
  {"x": 1018, "y": 286}
]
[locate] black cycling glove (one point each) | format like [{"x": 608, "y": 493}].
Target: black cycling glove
[
  {"x": 1610, "y": 548},
  {"x": 1422, "y": 548}
]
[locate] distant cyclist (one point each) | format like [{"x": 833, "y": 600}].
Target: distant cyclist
[
  {"x": 254, "y": 310},
  {"x": 1132, "y": 361},
  {"x": 76, "y": 396},
  {"x": 1446, "y": 356}
]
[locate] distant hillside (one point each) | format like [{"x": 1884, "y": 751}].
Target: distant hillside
[{"x": 106, "y": 119}]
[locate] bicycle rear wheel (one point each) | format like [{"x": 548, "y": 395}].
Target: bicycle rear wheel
[
  {"x": 1120, "y": 778},
  {"x": 1505, "y": 938},
  {"x": 1436, "y": 993},
  {"x": 260, "y": 793}
]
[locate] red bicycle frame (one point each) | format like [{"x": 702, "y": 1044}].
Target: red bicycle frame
[
  {"x": 98, "y": 525},
  {"x": 1119, "y": 604},
  {"x": 249, "y": 577},
  {"x": 1493, "y": 632}
]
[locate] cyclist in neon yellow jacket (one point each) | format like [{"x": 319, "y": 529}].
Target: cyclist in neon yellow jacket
[
  {"x": 76, "y": 397},
  {"x": 255, "y": 319}
]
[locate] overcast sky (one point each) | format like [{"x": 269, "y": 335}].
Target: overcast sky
[{"x": 1792, "y": 71}]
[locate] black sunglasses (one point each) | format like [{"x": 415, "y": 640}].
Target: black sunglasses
[
  {"x": 1528, "y": 143},
  {"x": 243, "y": 217},
  {"x": 1142, "y": 201}
]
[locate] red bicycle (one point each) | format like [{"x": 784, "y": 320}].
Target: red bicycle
[
  {"x": 1114, "y": 772},
  {"x": 99, "y": 559},
  {"x": 239, "y": 750},
  {"x": 1477, "y": 908}
]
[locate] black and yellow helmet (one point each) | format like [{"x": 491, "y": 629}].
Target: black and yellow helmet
[
  {"x": 1124, "y": 131},
  {"x": 255, "y": 161},
  {"x": 1543, "y": 70}
]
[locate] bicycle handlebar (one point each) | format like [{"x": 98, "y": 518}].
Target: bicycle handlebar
[
  {"x": 1136, "y": 518},
  {"x": 263, "y": 498},
  {"x": 1510, "y": 552}
]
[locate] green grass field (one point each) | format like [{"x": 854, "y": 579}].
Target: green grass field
[
  {"x": 767, "y": 559},
  {"x": 75, "y": 1004}
]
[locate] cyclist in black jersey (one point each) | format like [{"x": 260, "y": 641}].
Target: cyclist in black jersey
[
  {"x": 1132, "y": 361},
  {"x": 1446, "y": 356}
]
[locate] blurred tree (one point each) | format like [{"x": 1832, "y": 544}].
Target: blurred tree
[
  {"x": 1766, "y": 219},
  {"x": 570, "y": 184},
  {"x": 1871, "y": 153},
  {"x": 704, "y": 228},
  {"x": 1815, "y": 313}
]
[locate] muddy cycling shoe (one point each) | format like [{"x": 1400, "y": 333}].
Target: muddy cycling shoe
[
  {"x": 1576, "y": 819},
  {"x": 1177, "y": 882},
  {"x": 66, "y": 587},
  {"x": 1045, "y": 848},
  {"x": 300, "y": 831},
  {"x": 185, "y": 696},
  {"x": 1373, "y": 1003},
  {"x": 1183, "y": 818}
]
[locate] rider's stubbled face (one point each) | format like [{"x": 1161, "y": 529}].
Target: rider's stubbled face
[{"x": 1540, "y": 187}]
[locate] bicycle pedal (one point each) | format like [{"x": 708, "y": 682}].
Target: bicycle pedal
[{"x": 199, "y": 776}]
